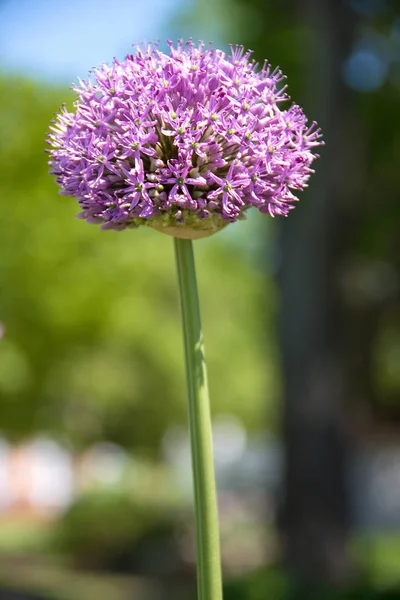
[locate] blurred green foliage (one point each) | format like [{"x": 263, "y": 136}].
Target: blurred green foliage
[
  {"x": 92, "y": 347},
  {"x": 110, "y": 530},
  {"x": 274, "y": 584}
]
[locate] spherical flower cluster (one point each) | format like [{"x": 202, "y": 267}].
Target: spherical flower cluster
[{"x": 185, "y": 142}]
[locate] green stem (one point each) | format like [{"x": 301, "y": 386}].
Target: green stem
[{"x": 209, "y": 580}]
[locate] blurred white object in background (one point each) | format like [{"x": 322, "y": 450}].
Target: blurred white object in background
[
  {"x": 36, "y": 478},
  {"x": 5, "y": 489},
  {"x": 102, "y": 464},
  {"x": 51, "y": 481}
]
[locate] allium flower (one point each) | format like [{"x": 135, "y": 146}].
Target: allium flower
[{"x": 185, "y": 142}]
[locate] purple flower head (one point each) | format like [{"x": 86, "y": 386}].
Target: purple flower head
[{"x": 185, "y": 142}]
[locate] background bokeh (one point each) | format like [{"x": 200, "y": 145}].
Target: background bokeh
[{"x": 301, "y": 321}]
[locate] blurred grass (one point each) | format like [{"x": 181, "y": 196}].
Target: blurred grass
[
  {"x": 23, "y": 536},
  {"x": 58, "y": 582},
  {"x": 379, "y": 557},
  {"x": 28, "y": 564}
]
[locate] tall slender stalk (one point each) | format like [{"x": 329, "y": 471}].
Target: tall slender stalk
[{"x": 209, "y": 580}]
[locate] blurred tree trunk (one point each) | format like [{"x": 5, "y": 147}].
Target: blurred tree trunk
[{"x": 313, "y": 243}]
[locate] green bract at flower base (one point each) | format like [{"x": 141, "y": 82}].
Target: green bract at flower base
[{"x": 193, "y": 228}]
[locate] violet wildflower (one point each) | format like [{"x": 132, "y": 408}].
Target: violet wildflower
[{"x": 185, "y": 142}]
